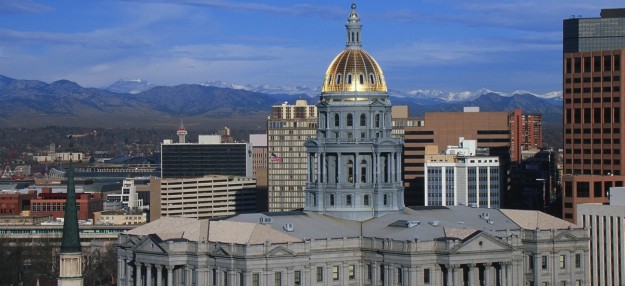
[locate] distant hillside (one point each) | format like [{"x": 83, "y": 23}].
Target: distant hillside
[{"x": 32, "y": 103}]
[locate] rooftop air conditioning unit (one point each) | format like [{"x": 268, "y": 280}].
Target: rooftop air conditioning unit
[
  {"x": 412, "y": 223},
  {"x": 434, "y": 223},
  {"x": 485, "y": 215},
  {"x": 288, "y": 227},
  {"x": 265, "y": 220}
]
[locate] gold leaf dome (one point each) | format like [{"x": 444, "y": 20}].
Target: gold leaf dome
[{"x": 354, "y": 70}]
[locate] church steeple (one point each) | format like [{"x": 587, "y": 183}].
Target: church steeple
[
  {"x": 70, "y": 272},
  {"x": 70, "y": 242},
  {"x": 354, "y": 28}
]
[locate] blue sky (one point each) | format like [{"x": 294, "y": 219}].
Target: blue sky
[{"x": 453, "y": 45}]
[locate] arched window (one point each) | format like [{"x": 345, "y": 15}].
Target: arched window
[
  {"x": 363, "y": 120},
  {"x": 337, "y": 120},
  {"x": 366, "y": 200},
  {"x": 331, "y": 200},
  {"x": 348, "y": 200},
  {"x": 377, "y": 120},
  {"x": 313, "y": 198},
  {"x": 362, "y": 79},
  {"x": 350, "y": 120},
  {"x": 338, "y": 79},
  {"x": 386, "y": 200},
  {"x": 349, "y": 79}
]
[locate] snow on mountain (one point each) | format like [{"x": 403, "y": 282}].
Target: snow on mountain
[
  {"x": 312, "y": 92},
  {"x": 132, "y": 86},
  {"x": 449, "y": 96}
]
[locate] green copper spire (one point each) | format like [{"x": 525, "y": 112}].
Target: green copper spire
[{"x": 70, "y": 243}]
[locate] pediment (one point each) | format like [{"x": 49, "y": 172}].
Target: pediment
[
  {"x": 377, "y": 103},
  {"x": 311, "y": 142},
  {"x": 129, "y": 241},
  {"x": 150, "y": 244},
  {"x": 220, "y": 251},
  {"x": 280, "y": 251},
  {"x": 565, "y": 236},
  {"x": 481, "y": 242}
]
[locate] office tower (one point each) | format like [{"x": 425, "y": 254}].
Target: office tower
[
  {"x": 461, "y": 176},
  {"x": 526, "y": 133},
  {"x": 605, "y": 222},
  {"x": 593, "y": 108},
  {"x": 260, "y": 161},
  {"x": 288, "y": 127},
  {"x": 208, "y": 157},
  {"x": 490, "y": 129}
]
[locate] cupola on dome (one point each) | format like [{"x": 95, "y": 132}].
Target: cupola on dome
[{"x": 354, "y": 70}]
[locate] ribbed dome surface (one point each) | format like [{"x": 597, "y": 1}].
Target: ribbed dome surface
[{"x": 354, "y": 70}]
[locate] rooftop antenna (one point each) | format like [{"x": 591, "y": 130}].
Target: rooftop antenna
[{"x": 182, "y": 132}]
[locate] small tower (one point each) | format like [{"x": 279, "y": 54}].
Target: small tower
[
  {"x": 71, "y": 256},
  {"x": 182, "y": 133}
]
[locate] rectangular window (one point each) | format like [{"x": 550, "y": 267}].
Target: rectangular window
[
  {"x": 426, "y": 275},
  {"x": 277, "y": 279},
  {"x": 255, "y": 279},
  {"x": 351, "y": 273},
  {"x": 319, "y": 274},
  {"x": 544, "y": 264},
  {"x": 562, "y": 261},
  {"x": 297, "y": 277},
  {"x": 578, "y": 260},
  {"x": 531, "y": 262},
  {"x": 369, "y": 272},
  {"x": 335, "y": 273},
  {"x": 400, "y": 277}
]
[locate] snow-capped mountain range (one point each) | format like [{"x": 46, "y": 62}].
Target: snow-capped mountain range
[{"x": 429, "y": 95}]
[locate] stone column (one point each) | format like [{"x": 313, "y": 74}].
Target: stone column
[
  {"x": 413, "y": 275},
  {"x": 170, "y": 275},
  {"x": 338, "y": 170},
  {"x": 148, "y": 274},
  {"x": 487, "y": 274},
  {"x": 473, "y": 276},
  {"x": 159, "y": 275},
  {"x": 450, "y": 275},
  {"x": 189, "y": 277},
  {"x": 120, "y": 271},
  {"x": 129, "y": 271},
  {"x": 138, "y": 270},
  {"x": 508, "y": 275}
]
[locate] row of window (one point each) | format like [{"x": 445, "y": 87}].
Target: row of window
[
  {"x": 595, "y": 99},
  {"x": 594, "y": 130},
  {"x": 361, "y": 79},
  {"x": 595, "y": 79},
  {"x": 595, "y": 151},
  {"x": 595, "y": 89},
  {"x": 349, "y": 120},
  {"x": 606, "y": 141},
  {"x": 562, "y": 261},
  {"x": 592, "y": 115},
  {"x": 593, "y": 64}
]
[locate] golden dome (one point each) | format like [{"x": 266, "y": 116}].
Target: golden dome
[{"x": 354, "y": 70}]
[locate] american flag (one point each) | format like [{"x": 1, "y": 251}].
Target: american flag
[{"x": 275, "y": 158}]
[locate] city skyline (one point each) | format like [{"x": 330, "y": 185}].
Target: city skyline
[{"x": 448, "y": 45}]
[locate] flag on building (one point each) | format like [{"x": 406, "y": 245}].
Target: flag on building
[{"x": 275, "y": 158}]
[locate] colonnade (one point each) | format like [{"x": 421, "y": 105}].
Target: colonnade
[{"x": 478, "y": 274}]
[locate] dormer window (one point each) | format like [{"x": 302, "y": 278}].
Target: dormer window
[
  {"x": 338, "y": 79},
  {"x": 371, "y": 79},
  {"x": 349, "y": 79},
  {"x": 329, "y": 79},
  {"x": 362, "y": 79}
]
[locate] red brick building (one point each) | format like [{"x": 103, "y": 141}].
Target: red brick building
[
  {"x": 12, "y": 203},
  {"x": 526, "y": 133},
  {"x": 54, "y": 204}
]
